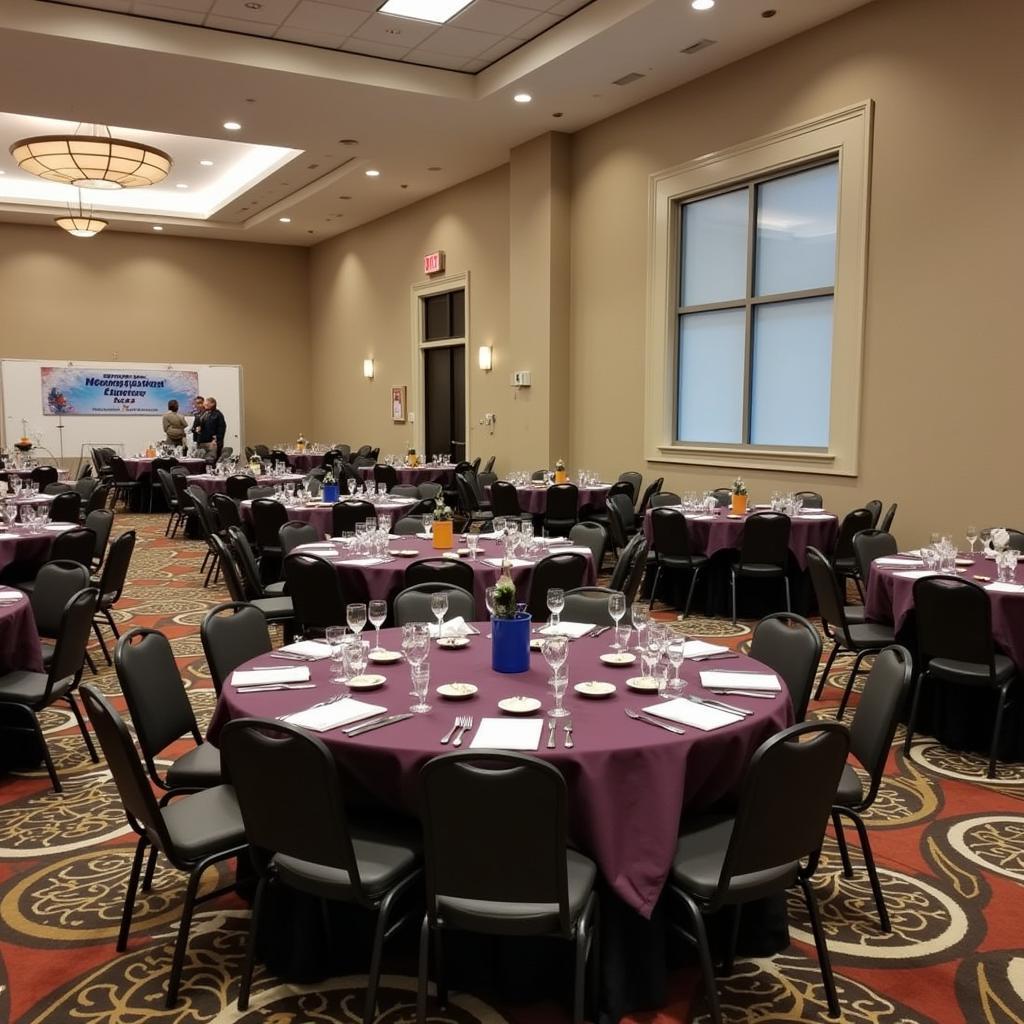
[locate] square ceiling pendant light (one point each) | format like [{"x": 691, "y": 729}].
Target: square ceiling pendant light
[{"x": 437, "y": 11}]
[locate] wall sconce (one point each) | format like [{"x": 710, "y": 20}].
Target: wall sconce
[
  {"x": 368, "y": 369},
  {"x": 484, "y": 356}
]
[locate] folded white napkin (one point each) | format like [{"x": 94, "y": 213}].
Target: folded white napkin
[
  {"x": 916, "y": 574},
  {"x": 424, "y": 536},
  {"x": 298, "y": 674},
  {"x": 331, "y": 716},
  {"x": 10, "y": 596},
  {"x": 453, "y": 627},
  {"x": 1005, "y": 588},
  {"x": 314, "y": 548},
  {"x": 895, "y": 560},
  {"x": 508, "y": 734},
  {"x": 516, "y": 563},
  {"x": 363, "y": 561},
  {"x": 726, "y": 680},
  {"x": 573, "y": 630},
  {"x": 816, "y": 515},
  {"x": 701, "y": 648},
  {"x": 58, "y": 527},
  {"x": 8, "y": 536},
  {"x": 309, "y": 649},
  {"x": 700, "y": 716}
]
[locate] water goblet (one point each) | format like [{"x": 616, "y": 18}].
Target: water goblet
[
  {"x": 428, "y": 523},
  {"x": 556, "y": 650},
  {"x": 641, "y": 616},
  {"x": 355, "y": 614},
  {"x": 473, "y": 543},
  {"x": 499, "y": 525},
  {"x": 621, "y": 634},
  {"x": 972, "y": 535},
  {"x": 335, "y": 637},
  {"x": 378, "y": 614},
  {"x": 676, "y": 651},
  {"x": 420, "y": 675},
  {"x": 555, "y": 602},
  {"x": 356, "y": 653},
  {"x": 489, "y": 600},
  {"x": 617, "y": 609},
  {"x": 439, "y": 608}
]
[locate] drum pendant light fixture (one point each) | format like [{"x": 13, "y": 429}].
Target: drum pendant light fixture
[{"x": 80, "y": 222}]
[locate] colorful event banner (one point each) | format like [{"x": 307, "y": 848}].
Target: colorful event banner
[{"x": 88, "y": 391}]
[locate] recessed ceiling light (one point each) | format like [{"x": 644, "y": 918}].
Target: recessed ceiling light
[
  {"x": 702, "y": 5},
  {"x": 157, "y": 227},
  {"x": 437, "y": 11},
  {"x": 522, "y": 97},
  {"x": 254, "y": 6},
  {"x": 285, "y": 220},
  {"x": 232, "y": 126},
  {"x": 181, "y": 185},
  {"x": 205, "y": 163},
  {"x": 371, "y": 173},
  {"x": 348, "y": 142}
]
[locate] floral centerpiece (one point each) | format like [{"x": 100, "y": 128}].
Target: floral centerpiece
[
  {"x": 739, "y": 496},
  {"x": 561, "y": 476},
  {"x": 331, "y": 491},
  {"x": 411, "y": 458},
  {"x": 300, "y": 444},
  {"x": 1000, "y": 539},
  {"x": 510, "y": 628},
  {"x": 443, "y": 525}
]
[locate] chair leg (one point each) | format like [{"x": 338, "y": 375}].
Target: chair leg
[
  {"x": 47, "y": 757},
  {"x": 844, "y": 852},
  {"x": 129, "y": 896},
  {"x": 373, "y": 978},
  {"x": 579, "y": 975},
  {"x": 180, "y": 946},
  {"x": 654, "y": 589},
  {"x": 111, "y": 623},
  {"x": 147, "y": 878},
  {"x": 869, "y": 861},
  {"x": 689, "y": 594},
  {"x": 77, "y": 712},
  {"x": 422, "y": 980},
  {"x": 440, "y": 977},
  {"x": 849, "y": 684},
  {"x": 997, "y": 731},
  {"x": 700, "y": 936},
  {"x": 819, "y": 941},
  {"x": 912, "y": 720},
  {"x": 827, "y": 669},
  {"x": 245, "y": 985},
  {"x": 785, "y": 583},
  {"x": 91, "y": 664},
  {"x": 733, "y": 575},
  {"x": 102, "y": 642}
]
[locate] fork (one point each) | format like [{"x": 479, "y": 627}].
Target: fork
[
  {"x": 568, "y": 735},
  {"x": 467, "y": 724},
  {"x": 451, "y": 732},
  {"x": 720, "y": 706}
]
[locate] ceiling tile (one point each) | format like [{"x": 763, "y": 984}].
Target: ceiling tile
[
  {"x": 150, "y": 10},
  {"x": 382, "y": 28},
  {"x": 328, "y": 40},
  {"x": 356, "y": 5},
  {"x": 269, "y": 11},
  {"x": 563, "y": 8},
  {"x": 461, "y": 42},
  {"x": 175, "y": 6},
  {"x": 488, "y": 16},
  {"x": 534, "y": 5},
  {"x": 474, "y": 65},
  {"x": 118, "y": 6},
  {"x": 312, "y": 16},
  {"x": 371, "y": 49},
  {"x": 447, "y": 61},
  {"x": 535, "y": 26},
  {"x": 499, "y": 49},
  {"x": 251, "y": 28}
]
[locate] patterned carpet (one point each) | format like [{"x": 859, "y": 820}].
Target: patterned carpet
[{"x": 949, "y": 844}]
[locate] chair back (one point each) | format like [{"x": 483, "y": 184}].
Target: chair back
[
  {"x": 789, "y": 645},
  {"x": 869, "y": 545},
  {"x": 495, "y": 829},
  {"x": 593, "y": 536},
  {"x": 485, "y": 480},
  {"x": 85, "y": 485},
  {"x": 230, "y": 566},
  {"x": 588, "y": 604},
  {"x": 44, "y": 475},
  {"x": 268, "y": 516},
  {"x": 289, "y": 792},
  {"x": 853, "y": 522},
  {"x": 262, "y": 451},
  {"x": 663, "y": 498},
  {"x": 878, "y": 712},
  {"x": 225, "y": 511},
  {"x": 133, "y": 787},
  {"x": 165, "y": 464},
  {"x": 954, "y": 620},
  {"x": 406, "y": 491},
  {"x": 670, "y": 534},
  {"x": 566, "y": 570},
  {"x": 489, "y": 465},
  {"x": 827, "y": 593},
  {"x": 75, "y": 545},
  {"x": 629, "y": 570},
  {"x": 635, "y": 481},
  {"x": 563, "y": 504},
  {"x": 408, "y": 526},
  {"x": 468, "y": 500},
  {"x": 413, "y": 603},
  {"x": 316, "y": 592},
  {"x": 65, "y": 507},
  {"x": 237, "y": 486},
  {"x": 56, "y": 583},
  {"x": 765, "y": 540},
  {"x": 72, "y": 637},
  {"x": 886, "y": 525},
  {"x": 645, "y": 501},
  {"x": 439, "y": 570},
  {"x": 1015, "y": 542},
  {"x": 722, "y": 496},
  {"x": 785, "y": 801},
  {"x": 431, "y": 489},
  {"x": 277, "y": 455},
  {"x": 295, "y": 532},
  {"x": 345, "y": 515},
  {"x": 810, "y": 499},
  {"x": 875, "y": 508},
  {"x": 258, "y": 491},
  {"x": 98, "y": 499},
  {"x": 154, "y": 693},
  {"x": 167, "y": 488},
  {"x": 505, "y": 499},
  {"x": 385, "y": 475},
  {"x": 620, "y": 519},
  {"x": 115, "y": 568},
  {"x": 101, "y": 522},
  {"x": 233, "y": 633},
  {"x": 119, "y": 470},
  {"x": 363, "y": 451}
]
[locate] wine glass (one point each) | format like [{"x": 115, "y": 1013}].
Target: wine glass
[
  {"x": 641, "y": 616},
  {"x": 378, "y": 613},
  {"x": 556, "y": 602},
  {"x": 335, "y": 637},
  {"x": 420, "y": 686},
  {"x": 428, "y": 523},
  {"x": 971, "y": 535},
  {"x": 622, "y": 632},
  {"x": 473, "y": 543},
  {"x": 676, "y": 651},
  {"x": 489, "y": 600},
  {"x": 439, "y": 607},
  {"x": 355, "y": 614},
  {"x": 356, "y": 654},
  {"x": 556, "y": 650},
  {"x": 616, "y": 609}
]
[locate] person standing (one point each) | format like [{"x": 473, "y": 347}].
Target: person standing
[
  {"x": 175, "y": 424},
  {"x": 198, "y": 412},
  {"x": 212, "y": 428}
]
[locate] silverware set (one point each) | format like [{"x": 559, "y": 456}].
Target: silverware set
[
  {"x": 719, "y": 705},
  {"x": 647, "y": 720},
  {"x": 463, "y": 723},
  {"x": 723, "y": 656},
  {"x": 375, "y": 723},
  {"x": 553, "y": 734}
]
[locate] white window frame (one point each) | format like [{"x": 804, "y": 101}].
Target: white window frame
[{"x": 845, "y": 134}]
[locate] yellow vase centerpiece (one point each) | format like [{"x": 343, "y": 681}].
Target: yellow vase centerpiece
[
  {"x": 443, "y": 528},
  {"x": 739, "y": 497},
  {"x": 561, "y": 476}
]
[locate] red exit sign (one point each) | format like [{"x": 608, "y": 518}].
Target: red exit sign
[{"x": 433, "y": 262}]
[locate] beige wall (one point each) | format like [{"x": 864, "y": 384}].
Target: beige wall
[
  {"x": 360, "y": 300},
  {"x": 945, "y": 241},
  {"x": 125, "y": 296}
]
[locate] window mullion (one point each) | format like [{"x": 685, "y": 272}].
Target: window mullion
[{"x": 748, "y": 333}]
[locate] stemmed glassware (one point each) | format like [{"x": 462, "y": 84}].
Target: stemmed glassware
[
  {"x": 617, "y": 609},
  {"x": 420, "y": 687},
  {"x": 676, "y": 651},
  {"x": 971, "y": 535},
  {"x": 428, "y": 523},
  {"x": 439, "y": 607},
  {"x": 641, "y": 618},
  {"x": 335, "y": 637},
  {"x": 556, "y": 602},
  {"x": 556, "y": 650},
  {"x": 355, "y": 614},
  {"x": 473, "y": 543},
  {"x": 378, "y": 614},
  {"x": 356, "y": 653},
  {"x": 416, "y": 648},
  {"x": 489, "y": 601}
]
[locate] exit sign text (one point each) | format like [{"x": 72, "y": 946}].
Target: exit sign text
[{"x": 433, "y": 262}]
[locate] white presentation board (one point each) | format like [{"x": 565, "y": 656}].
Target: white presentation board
[{"x": 22, "y": 408}]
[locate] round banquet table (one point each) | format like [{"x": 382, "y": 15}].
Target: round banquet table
[
  {"x": 721, "y": 530},
  {"x": 444, "y": 474},
  {"x": 26, "y": 474},
  {"x": 218, "y": 484},
  {"x": 629, "y": 783},
  {"x": 304, "y": 461},
  {"x": 961, "y": 717},
  {"x": 322, "y": 516},
  {"x": 534, "y": 499},
  {"x": 28, "y": 548},
  {"x": 19, "y": 641},
  {"x": 140, "y": 467},
  {"x": 374, "y": 579}
]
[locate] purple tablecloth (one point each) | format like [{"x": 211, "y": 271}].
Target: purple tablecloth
[
  {"x": 304, "y": 461},
  {"x": 321, "y": 516},
  {"x": 712, "y": 533},
  {"x": 384, "y": 580},
  {"x": 218, "y": 484},
  {"x": 417, "y": 474},
  {"x": 535, "y": 499},
  {"x": 25, "y": 474},
  {"x": 889, "y": 598},
  {"x": 629, "y": 783},
  {"x": 19, "y": 641},
  {"x": 24, "y": 547},
  {"x": 138, "y": 468}
]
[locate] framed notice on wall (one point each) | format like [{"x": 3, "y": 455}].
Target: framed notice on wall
[{"x": 398, "y": 404}]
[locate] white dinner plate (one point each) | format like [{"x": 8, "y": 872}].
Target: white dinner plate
[
  {"x": 595, "y": 688},
  {"x": 618, "y": 658},
  {"x": 405, "y": 553},
  {"x": 456, "y": 691},
  {"x": 366, "y": 682},
  {"x": 453, "y": 643},
  {"x": 965, "y": 561},
  {"x": 519, "y": 705},
  {"x": 646, "y": 684},
  {"x": 385, "y": 657}
]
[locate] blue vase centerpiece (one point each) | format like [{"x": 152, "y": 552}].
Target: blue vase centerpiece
[{"x": 510, "y": 643}]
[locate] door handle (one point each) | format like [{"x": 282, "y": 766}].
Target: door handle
[{"x": 461, "y": 444}]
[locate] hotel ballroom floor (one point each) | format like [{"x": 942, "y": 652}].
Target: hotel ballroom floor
[{"x": 950, "y": 848}]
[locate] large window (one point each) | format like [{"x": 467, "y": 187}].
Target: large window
[
  {"x": 756, "y": 275},
  {"x": 756, "y": 286}
]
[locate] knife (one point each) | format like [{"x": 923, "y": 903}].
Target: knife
[
  {"x": 358, "y": 730},
  {"x": 723, "y": 656},
  {"x": 746, "y": 693},
  {"x": 261, "y": 687},
  {"x": 721, "y": 706},
  {"x": 600, "y": 630}
]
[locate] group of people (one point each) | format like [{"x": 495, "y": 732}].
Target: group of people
[{"x": 207, "y": 429}]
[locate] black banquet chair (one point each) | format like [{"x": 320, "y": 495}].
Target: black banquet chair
[
  {"x": 66, "y": 507},
  {"x": 562, "y": 511},
  {"x": 764, "y": 552},
  {"x": 346, "y": 514},
  {"x": 566, "y": 570},
  {"x": 630, "y": 567},
  {"x": 671, "y": 542},
  {"x": 791, "y": 646},
  {"x": 727, "y": 860},
  {"x": 303, "y": 836},
  {"x": 318, "y": 596},
  {"x": 497, "y": 859},
  {"x": 111, "y": 586},
  {"x": 439, "y": 570},
  {"x": 232, "y": 634}
]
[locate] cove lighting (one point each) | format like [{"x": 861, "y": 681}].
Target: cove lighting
[{"x": 437, "y": 11}]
